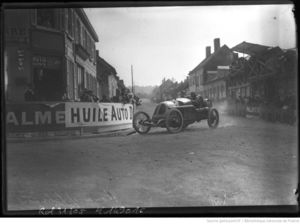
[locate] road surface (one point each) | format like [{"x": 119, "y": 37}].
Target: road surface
[{"x": 242, "y": 162}]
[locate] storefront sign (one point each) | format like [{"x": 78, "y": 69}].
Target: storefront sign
[
  {"x": 98, "y": 114},
  {"x": 35, "y": 117},
  {"x": 45, "y": 61},
  {"x": 16, "y": 34},
  {"x": 41, "y": 117}
]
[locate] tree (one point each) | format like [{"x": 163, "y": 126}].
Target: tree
[{"x": 168, "y": 89}]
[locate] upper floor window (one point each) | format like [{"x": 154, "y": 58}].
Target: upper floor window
[
  {"x": 78, "y": 31},
  {"x": 70, "y": 22},
  {"x": 93, "y": 52},
  {"x": 88, "y": 45},
  {"x": 85, "y": 39},
  {"x": 46, "y": 18}
]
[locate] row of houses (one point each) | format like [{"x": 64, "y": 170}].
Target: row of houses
[
  {"x": 53, "y": 51},
  {"x": 245, "y": 71}
]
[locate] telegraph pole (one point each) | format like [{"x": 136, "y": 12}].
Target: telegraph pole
[
  {"x": 132, "y": 89},
  {"x": 132, "y": 79}
]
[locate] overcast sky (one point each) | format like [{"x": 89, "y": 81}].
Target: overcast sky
[{"x": 170, "y": 41}]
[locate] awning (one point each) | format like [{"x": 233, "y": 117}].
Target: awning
[{"x": 250, "y": 49}]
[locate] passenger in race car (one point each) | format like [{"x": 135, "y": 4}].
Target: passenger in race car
[
  {"x": 201, "y": 102},
  {"x": 197, "y": 101},
  {"x": 194, "y": 99}
]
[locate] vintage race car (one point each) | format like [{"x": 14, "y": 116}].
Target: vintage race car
[{"x": 176, "y": 115}]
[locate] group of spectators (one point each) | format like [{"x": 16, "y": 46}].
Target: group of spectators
[
  {"x": 87, "y": 96},
  {"x": 280, "y": 109}
]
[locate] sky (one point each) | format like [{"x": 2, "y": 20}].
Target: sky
[{"x": 168, "y": 42}]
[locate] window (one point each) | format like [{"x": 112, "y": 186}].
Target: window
[
  {"x": 46, "y": 18},
  {"x": 80, "y": 79},
  {"x": 70, "y": 68},
  {"x": 88, "y": 81},
  {"x": 84, "y": 39},
  {"x": 78, "y": 31},
  {"x": 70, "y": 22},
  {"x": 197, "y": 80},
  {"x": 93, "y": 51},
  {"x": 89, "y": 45}
]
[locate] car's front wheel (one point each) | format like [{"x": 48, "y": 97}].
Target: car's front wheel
[
  {"x": 174, "y": 121},
  {"x": 141, "y": 122}
]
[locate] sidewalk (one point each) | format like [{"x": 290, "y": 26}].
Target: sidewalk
[{"x": 61, "y": 135}]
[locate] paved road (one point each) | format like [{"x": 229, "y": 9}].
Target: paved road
[{"x": 243, "y": 162}]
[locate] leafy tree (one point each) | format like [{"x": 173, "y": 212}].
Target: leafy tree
[{"x": 168, "y": 89}]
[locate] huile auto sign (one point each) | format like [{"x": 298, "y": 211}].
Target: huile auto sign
[{"x": 57, "y": 116}]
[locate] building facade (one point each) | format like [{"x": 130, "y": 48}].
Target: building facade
[
  {"x": 267, "y": 73},
  {"x": 108, "y": 79},
  {"x": 215, "y": 85},
  {"x": 208, "y": 77},
  {"x": 51, "y": 50}
]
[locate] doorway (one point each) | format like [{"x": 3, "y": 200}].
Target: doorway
[{"x": 48, "y": 84}]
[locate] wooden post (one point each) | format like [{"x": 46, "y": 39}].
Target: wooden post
[{"x": 132, "y": 79}]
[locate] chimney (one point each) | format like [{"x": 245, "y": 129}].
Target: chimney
[
  {"x": 216, "y": 44},
  {"x": 208, "y": 53}
]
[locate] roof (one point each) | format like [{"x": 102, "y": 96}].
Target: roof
[
  {"x": 250, "y": 49},
  {"x": 106, "y": 64},
  {"x": 87, "y": 23},
  {"x": 211, "y": 57}
]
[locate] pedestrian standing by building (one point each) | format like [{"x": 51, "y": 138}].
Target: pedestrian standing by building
[
  {"x": 104, "y": 99},
  {"x": 29, "y": 93}
]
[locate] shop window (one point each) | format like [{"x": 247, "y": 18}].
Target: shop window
[
  {"x": 80, "y": 79},
  {"x": 88, "y": 78},
  {"x": 47, "y": 83},
  {"x": 46, "y": 18},
  {"x": 71, "y": 79}
]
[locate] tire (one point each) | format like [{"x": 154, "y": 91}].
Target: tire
[
  {"x": 213, "y": 118},
  {"x": 174, "y": 121},
  {"x": 138, "y": 118}
]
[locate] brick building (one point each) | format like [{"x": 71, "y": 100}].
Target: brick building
[{"x": 53, "y": 50}]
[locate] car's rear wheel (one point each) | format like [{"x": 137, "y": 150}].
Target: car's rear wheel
[
  {"x": 174, "y": 121},
  {"x": 213, "y": 118},
  {"x": 141, "y": 122}
]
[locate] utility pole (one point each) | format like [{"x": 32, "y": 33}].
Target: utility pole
[{"x": 132, "y": 79}]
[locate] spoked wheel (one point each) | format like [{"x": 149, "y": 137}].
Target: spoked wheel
[
  {"x": 174, "y": 121},
  {"x": 141, "y": 122},
  {"x": 213, "y": 118}
]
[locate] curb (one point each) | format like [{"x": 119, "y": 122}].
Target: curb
[{"x": 117, "y": 133}]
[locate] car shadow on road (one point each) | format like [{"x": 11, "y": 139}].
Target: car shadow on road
[
  {"x": 196, "y": 129},
  {"x": 165, "y": 132}
]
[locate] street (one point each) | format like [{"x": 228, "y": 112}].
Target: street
[{"x": 242, "y": 162}]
